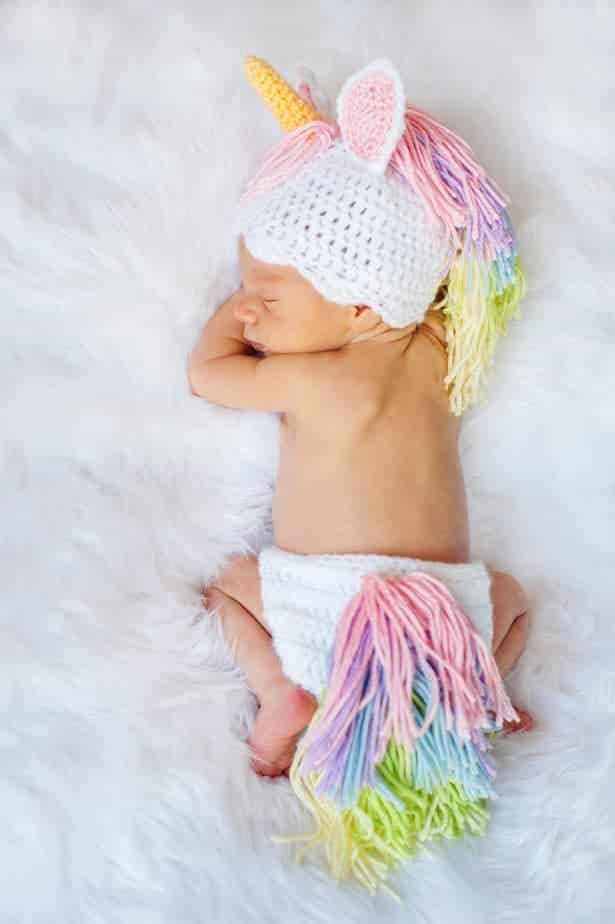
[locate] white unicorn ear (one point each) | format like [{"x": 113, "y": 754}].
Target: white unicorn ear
[
  {"x": 370, "y": 114},
  {"x": 307, "y": 86}
]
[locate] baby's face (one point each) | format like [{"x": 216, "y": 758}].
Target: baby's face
[{"x": 283, "y": 313}]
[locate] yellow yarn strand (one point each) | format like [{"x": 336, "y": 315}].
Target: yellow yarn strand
[
  {"x": 290, "y": 109},
  {"x": 476, "y": 316}
]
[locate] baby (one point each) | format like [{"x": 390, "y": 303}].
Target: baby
[
  {"x": 368, "y": 461},
  {"x": 369, "y": 465}
]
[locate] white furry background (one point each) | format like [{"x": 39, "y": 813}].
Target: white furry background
[{"x": 126, "y": 131}]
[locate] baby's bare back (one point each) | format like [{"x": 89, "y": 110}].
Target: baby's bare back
[{"x": 370, "y": 462}]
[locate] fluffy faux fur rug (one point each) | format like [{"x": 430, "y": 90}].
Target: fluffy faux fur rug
[{"x": 126, "y": 131}]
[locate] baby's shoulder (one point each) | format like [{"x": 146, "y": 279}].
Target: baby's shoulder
[{"x": 333, "y": 383}]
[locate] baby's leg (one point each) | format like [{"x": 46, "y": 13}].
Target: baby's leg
[
  {"x": 510, "y": 620},
  {"x": 285, "y": 709},
  {"x": 510, "y": 631}
]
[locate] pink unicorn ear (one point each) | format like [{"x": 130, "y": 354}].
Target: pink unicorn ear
[{"x": 370, "y": 114}]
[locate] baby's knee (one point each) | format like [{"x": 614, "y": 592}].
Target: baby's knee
[
  {"x": 213, "y": 598},
  {"x": 510, "y": 610},
  {"x": 507, "y": 595},
  {"x": 520, "y": 629},
  {"x": 240, "y": 580}
]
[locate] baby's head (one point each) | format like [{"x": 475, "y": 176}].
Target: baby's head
[
  {"x": 283, "y": 312},
  {"x": 382, "y": 207}
]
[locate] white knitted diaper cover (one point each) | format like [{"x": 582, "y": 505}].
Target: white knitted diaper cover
[{"x": 304, "y": 596}]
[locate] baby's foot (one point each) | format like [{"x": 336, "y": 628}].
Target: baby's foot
[{"x": 281, "y": 718}]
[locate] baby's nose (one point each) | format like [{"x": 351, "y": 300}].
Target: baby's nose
[{"x": 246, "y": 312}]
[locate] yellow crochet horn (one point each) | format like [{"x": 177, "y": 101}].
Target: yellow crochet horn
[{"x": 290, "y": 109}]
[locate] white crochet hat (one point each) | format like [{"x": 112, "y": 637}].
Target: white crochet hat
[
  {"x": 381, "y": 206},
  {"x": 359, "y": 237}
]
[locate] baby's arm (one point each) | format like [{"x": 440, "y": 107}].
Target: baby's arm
[{"x": 223, "y": 368}]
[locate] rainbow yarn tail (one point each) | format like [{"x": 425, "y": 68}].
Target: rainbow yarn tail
[{"x": 396, "y": 753}]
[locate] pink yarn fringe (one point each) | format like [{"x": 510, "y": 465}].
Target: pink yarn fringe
[
  {"x": 441, "y": 166},
  {"x": 414, "y": 618},
  {"x": 285, "y": 159}
]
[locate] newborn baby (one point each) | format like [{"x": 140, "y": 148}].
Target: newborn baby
[
  {"x": 368, "y": 462},
  {"x": 378, "y": 268}
]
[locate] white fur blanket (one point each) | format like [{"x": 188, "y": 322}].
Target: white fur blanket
[{"x": 126, "y": 130}]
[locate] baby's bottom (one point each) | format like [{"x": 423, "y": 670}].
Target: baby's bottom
[{"x": 285, "y": 708}]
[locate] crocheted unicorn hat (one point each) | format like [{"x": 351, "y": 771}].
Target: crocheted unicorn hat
[{"x": 382, "y": 207}]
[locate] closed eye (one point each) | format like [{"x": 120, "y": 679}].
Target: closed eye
[{"x": 268, "y": 302}]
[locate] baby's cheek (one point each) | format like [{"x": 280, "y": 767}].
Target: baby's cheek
[{"x": 291, "y": 334}]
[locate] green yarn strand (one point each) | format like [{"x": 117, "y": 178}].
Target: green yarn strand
[{"x": 373, "y": 837}]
